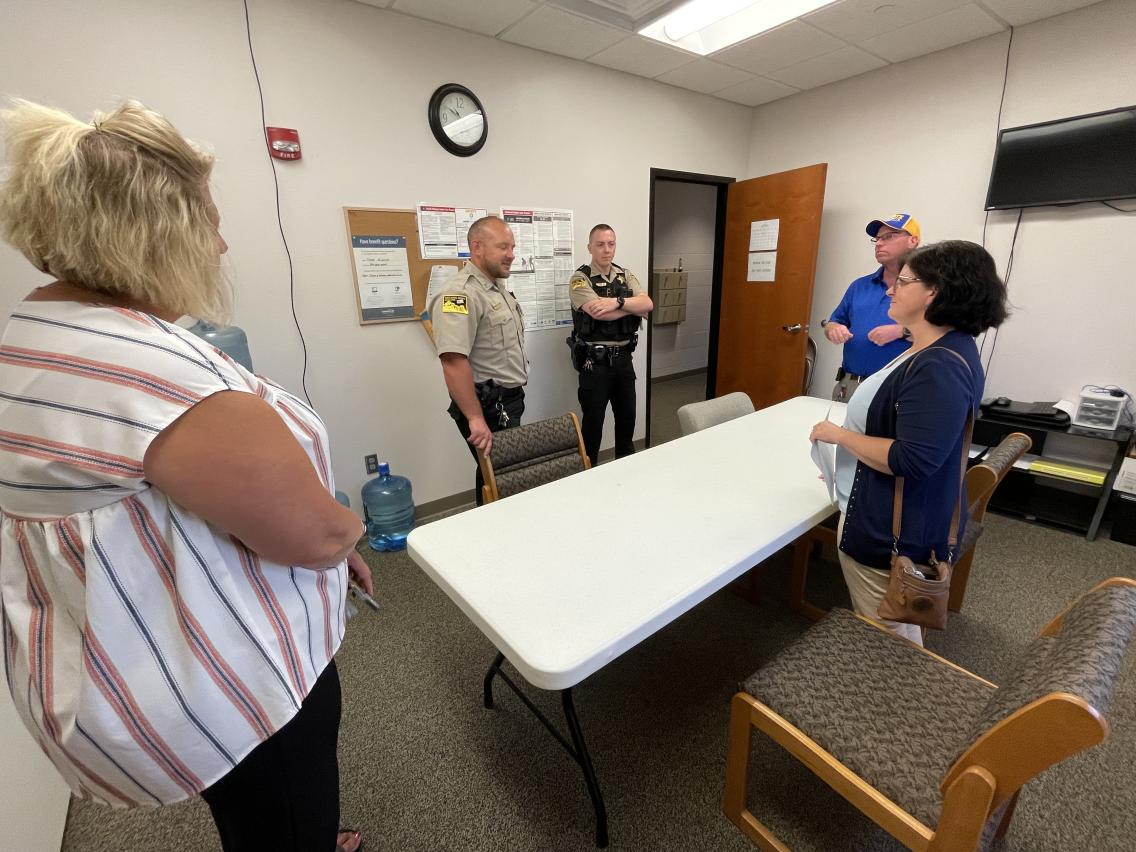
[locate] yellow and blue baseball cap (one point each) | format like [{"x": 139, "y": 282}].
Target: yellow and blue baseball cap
[{"x": 899, "y": 221}]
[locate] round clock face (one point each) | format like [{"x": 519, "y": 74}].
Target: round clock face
[{"x": 457, "y": 120}]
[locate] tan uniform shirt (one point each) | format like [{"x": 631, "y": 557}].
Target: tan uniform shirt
[
  {"x": 479, "y": 318},
  {"x": 580, "y": 290}
]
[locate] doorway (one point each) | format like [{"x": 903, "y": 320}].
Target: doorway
[{"x": 687, "y": 228}]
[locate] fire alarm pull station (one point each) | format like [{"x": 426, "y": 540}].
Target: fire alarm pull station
[{"x": 283, "y": 143}]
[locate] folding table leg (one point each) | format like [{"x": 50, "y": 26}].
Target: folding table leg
[
  {"x": 488, "y": 686},
  {"x": 578, "y": 748},
  {"x": 585, "y": 761}
]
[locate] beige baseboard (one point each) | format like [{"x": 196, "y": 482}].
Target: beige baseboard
[{"x": 670, "y": 377}]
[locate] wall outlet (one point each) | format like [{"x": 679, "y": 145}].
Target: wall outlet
[{"x": 372, "y": 462}]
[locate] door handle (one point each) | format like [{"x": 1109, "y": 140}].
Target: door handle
[{"x": 795, "y": 328}]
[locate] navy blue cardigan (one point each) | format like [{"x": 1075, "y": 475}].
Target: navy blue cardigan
[{"x": 923, "y": 406}]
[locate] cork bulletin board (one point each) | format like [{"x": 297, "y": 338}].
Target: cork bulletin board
[{"x": 373, "y": 223}]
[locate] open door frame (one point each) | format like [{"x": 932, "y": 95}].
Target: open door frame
[{"x": 723, "y": 184}]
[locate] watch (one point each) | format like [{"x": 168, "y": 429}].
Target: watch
[
  {"x": 619, "y": 301},
  {"x": 457, "y": 120},
  {"x": 824, "y": 322}
]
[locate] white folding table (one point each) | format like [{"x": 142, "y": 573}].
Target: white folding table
[{"x": 561, "y": 595}]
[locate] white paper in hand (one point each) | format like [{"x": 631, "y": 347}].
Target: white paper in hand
[{"x": 824, "y": 457}]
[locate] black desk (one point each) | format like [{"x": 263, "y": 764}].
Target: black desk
[{"x": 1027, "y": 493}]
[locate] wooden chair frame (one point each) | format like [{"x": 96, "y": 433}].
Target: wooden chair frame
[
  {"x": 986, "y": 776},
  {"x": 489, "y": 489},
  {"x": 981, "y": 481}
]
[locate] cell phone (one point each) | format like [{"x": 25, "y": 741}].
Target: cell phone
[{"x": 358, "y": 592}]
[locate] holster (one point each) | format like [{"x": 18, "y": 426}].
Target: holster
[
  {"x": 579, "y": 352},
  {"x": 488, "y": 393}
]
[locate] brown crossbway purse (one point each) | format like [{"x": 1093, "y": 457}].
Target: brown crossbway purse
[{"x": 918, "y": 594}]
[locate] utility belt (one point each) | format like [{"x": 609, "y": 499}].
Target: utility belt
[
  {"x": 494, "y": 401},
  {"x": 842, "y": 374},
  {"x": 489, "y": 393},
  {"x": 586, "y": 355}
]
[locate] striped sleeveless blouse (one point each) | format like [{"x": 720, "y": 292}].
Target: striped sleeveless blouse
[{"x": 146, "y": 651}]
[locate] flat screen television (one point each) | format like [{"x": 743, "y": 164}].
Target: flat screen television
[{"x": 1067, "y": 161}]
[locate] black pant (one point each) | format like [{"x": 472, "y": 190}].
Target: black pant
[
  {"x": 604, "y": 383},
  {"x": 284, "y": 795},
  {"x": 513, "y": 401}
]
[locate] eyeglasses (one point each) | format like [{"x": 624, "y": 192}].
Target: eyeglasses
[
  {"x": 900, "y": 280},
  {"x": 890, "y": 235}
]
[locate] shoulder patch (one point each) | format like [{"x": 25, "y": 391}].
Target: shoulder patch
[
  {"x": 455, "y": 305},
  {"x": 580, "y": 284}
]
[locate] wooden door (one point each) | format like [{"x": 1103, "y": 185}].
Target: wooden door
[{"x": 763, "y": 326}]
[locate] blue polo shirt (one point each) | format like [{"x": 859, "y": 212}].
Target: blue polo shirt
[{"x": 865, "y": 306}]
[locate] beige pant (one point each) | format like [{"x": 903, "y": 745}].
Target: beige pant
[
  {"x": 867, "y": 587},
  {"x": 843, "y": 390}
]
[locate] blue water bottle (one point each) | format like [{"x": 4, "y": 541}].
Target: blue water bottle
[
  {"x": 388, "y": 507},
  {"x": 230, "y": 339}
]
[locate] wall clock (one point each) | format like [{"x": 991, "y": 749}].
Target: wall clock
[{"x": 457, "y": 120}]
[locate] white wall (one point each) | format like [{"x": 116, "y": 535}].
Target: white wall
[
  {"x": 684, "y": 229},
  {"x": 919, "y": 137},
  {"x": 355, "y": 81}
]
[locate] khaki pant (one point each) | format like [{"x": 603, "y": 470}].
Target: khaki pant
[
  {"x": 867, "y": 587},
  {"x": 844, "y": 389}
]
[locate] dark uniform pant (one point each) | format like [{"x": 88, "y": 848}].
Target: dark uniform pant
[
  {"x": 513, "y": 401},
  {"x": 608, "y": 382}
]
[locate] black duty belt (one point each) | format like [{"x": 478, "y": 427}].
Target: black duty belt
[
  {"x": 842, "y": 374},
  {"x": 606, "y": 350},
  {"x": 512, "y": 393}
]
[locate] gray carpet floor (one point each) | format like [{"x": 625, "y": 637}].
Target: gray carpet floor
[{"x": 425, "y": 767}]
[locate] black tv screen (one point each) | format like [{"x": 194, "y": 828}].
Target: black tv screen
[{"x": 1085, "y": 158}]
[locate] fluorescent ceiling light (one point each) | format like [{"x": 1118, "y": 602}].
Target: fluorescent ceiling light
[{"x": 707, "y": 26}]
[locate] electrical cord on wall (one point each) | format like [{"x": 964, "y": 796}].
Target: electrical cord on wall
[
  {"x": 1114, "y": 207},
  {"x": 279, "y": 216},
  {"x": 998, "y": 126},
  {"x": 986, "y": 219},
  {"x": 1006, "y": 278}
]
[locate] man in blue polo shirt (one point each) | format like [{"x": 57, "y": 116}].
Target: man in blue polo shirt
[{"x": 860, "y": 322}]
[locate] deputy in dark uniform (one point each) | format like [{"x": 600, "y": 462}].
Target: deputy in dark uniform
[
  {"x": 608, "y": 304},
  {"x": 479, "y": 334}
]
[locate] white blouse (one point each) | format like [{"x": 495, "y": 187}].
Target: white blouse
[
  {"x": 147, "y": 651},
  {"x": 855, "y": 418}
]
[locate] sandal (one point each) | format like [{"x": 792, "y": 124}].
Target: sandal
[{"x": 345, "y": 838}]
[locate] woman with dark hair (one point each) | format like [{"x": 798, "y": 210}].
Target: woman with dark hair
[{"x": 909, "y": 420}]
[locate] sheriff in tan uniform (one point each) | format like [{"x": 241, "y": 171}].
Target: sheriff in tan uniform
[
  {"x": 608, "y": 305},
  {"x": 480, "y": 338}
]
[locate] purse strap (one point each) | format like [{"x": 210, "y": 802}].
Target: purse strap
[{"x": 897, "y": 501}]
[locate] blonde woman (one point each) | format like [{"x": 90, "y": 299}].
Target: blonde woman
[{"x": 172, "y": 560}]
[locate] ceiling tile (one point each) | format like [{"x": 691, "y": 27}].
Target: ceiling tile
[
  {"x": 857, "y": 20},
  {"x": 643, "y": 56},
  {"x": 1018, "y": 12},
  {"x": 628, "y": 14},
  {"x": 705, "y": 76},
  {"x": 846, "y": 62},
  {"x": 942, "y": 31},
  {"x": 487, "y": 17},
  {"x": 559, "y": 32},
  {"x": 757, "y": 91},
  {"x": 788, "y": 44}
]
